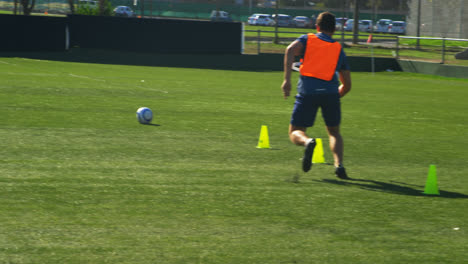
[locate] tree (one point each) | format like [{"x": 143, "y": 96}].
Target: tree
[
  {"x": 380, "y": 4},
  {"x": 72, "y": 6},
  {"x": 296, "y": 3},
  {"x": 356, "y": 21},
  {"x": 105, "y": 8},
  {"x": 387, "y": 4},
  {"x": 28, "y": 6},
  {"x": 333, "y": 3}
]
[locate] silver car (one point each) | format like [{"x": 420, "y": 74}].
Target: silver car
[
  {"x": 124, "y": 11},
  {"x": 261, "y": 20},
  {"x": 383, "y": 25},
  {"x": 303, "y": 22},
  {"x": 398, "y": 27},
  {"x": 220, "y": 16},
  {"x": 365, "y": 25},
  {"x": 284, "y": 20},
  {"x": 349, "y": 25},
  {"x": 340, "y": 22}
]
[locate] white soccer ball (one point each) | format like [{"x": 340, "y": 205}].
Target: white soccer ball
[{"x": 144, "y": 115}]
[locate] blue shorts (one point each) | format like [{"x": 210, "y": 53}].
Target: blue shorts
[{"x": 306, "y": 106}]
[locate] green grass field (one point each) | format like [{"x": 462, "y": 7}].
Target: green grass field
[{"x": 81, "y": 181}]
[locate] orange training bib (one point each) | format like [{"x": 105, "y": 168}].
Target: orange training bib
[{"x": 320, "y": 58}]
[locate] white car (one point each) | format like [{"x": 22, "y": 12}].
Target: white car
[
  {"x": 349, "y": 25},
  {"x": 398, "y": 27},
  {"x": 365, "y": 25},
  {"x": 251, "y": 20},
  {"x": 261, "y": 20},
  {"x": 340, "y": 21},
  {"x": 220, "y": 16},
  {"x": 303, "y": 21},
  {"x": 383, "y": 25},
  {"x": 284, "y": 20},
  {"x": 124, "y": 11}
]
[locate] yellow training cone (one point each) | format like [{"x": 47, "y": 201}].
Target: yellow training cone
[
  {"x": 263, "y": 141},
  {"x": 318, "y": 156},
  {"x": 431, "y": 183}
]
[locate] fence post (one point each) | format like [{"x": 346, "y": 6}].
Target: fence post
[
  {"x": 443, "y": 50},
  {"x": 397, "y": 48},
  {"x": 418, "y": 29},
  {"x": 258, "y": 41}
]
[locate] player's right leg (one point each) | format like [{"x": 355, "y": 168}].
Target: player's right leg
[
  {"x": 337, "y": 148},
  {"x": 336, "y": 144},
  {"x": 331, "y": 112}
]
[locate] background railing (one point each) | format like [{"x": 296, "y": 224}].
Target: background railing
[
  {"x": 281, "y": 37},
  {"x": 438, "y": 50}
]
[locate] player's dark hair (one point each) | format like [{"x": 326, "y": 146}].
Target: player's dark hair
[{"x": 326, "y": 21}]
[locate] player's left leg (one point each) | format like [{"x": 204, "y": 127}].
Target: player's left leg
[
  {"x": 299, "y": 137},
  {"x": 303, "y": 116}
]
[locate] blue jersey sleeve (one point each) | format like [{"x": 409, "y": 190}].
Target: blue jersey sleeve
[
  {"x": 303, "y": 40},
  {"x": 342, "y": 62}
]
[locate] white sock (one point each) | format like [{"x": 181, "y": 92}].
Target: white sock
[{"x": 308, "y": 141}]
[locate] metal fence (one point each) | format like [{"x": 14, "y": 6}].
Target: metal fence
[
  {"x": 438, "y": 18},
  {"x": 438, "y": 50},
  {"x": 285, "y": 37}
]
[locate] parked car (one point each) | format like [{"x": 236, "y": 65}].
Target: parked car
[
  {"x": 302, "y": 21},
  {"x": 261, "y": 20},
  {"x": 398, "y": 27},
  {"x": 222, "y": 16},
  {"x": 250, "y": 17},
  {"x": 365, "y": 25},
  {"x": 340, "y": 21},
  {"x": 124, "y": 11},
  {"x": 383, "y": 25},
  {"x": 313, "y": 21},
  {"x": 349, "y": 25},
  {"x": 284, "y": 20},
  {"x": 250, "y": 20},
  {"x": 88, "y": 3}
]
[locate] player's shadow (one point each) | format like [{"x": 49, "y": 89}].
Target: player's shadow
[{"x": 393, "y": 187}]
